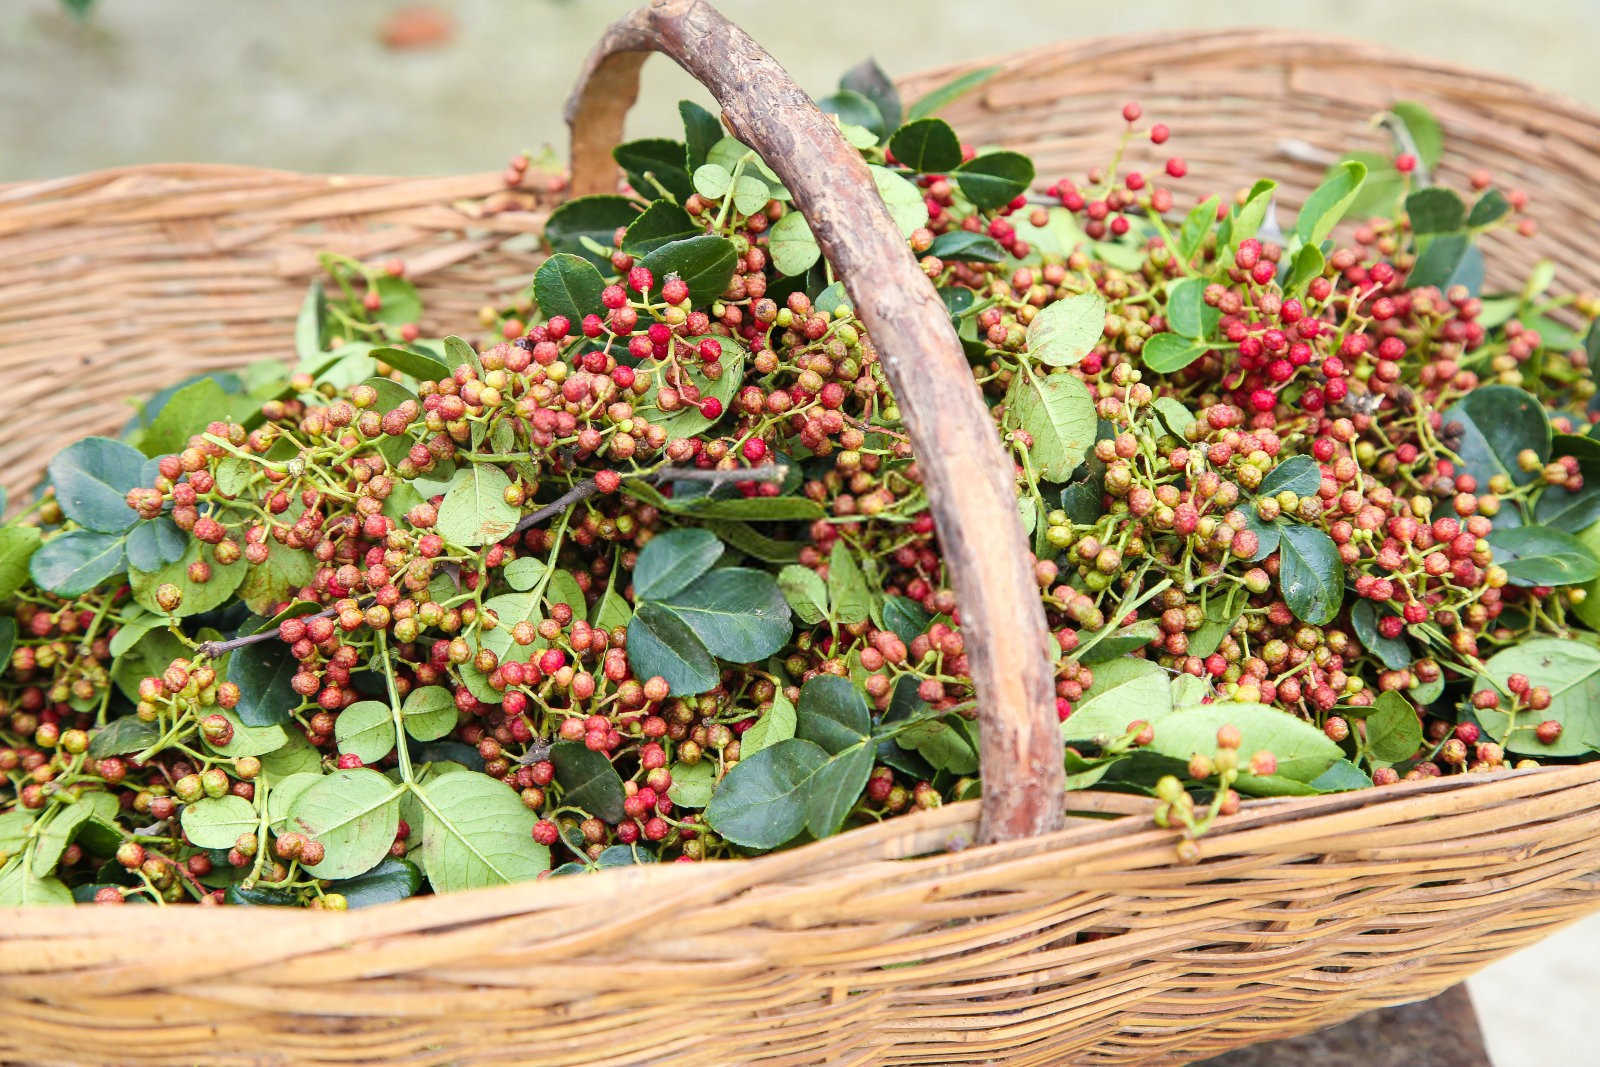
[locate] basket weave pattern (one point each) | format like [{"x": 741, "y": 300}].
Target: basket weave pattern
[{"x": 1086, "y": 946}]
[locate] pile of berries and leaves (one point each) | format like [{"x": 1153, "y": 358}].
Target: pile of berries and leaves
[{"x": 648, "y": 574}]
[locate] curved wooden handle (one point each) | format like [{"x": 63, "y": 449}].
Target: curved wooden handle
[{"x": 967, "y": 473}]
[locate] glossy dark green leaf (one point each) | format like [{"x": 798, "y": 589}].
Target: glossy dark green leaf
[
  {"x": 1394, "y": 732},
  {"x": 258, "y": 897},
  {"x": 262, "y": 672},
  {"x": 92, "y": 478},
  {"x": 1569, "y": 512},
  {"x": 1435, "y": 210},
  {"x": 594, "y": 217},
  {"x": 964, "y": 246},
  {"x": 391, "y": 880},
  {"x": 833, "y": 715},
  {"x": 905, "y": 617},
  {"x": 1538, "y": 555},
  {"x": 869, "y": 79},
  {"x": 705, "y": 264},
  {"x": 855, "y": 109},
  {"x": 753, "y": 543},
  {"x": 748, "y": 509},
  {"x": 739, "y": 614},
  {"x": 1491, "y": 207},
  {"x": 1310, "y": 573},
  {"x": 154, "y": 543},
  {"x": 701, "y": 130},
  {"x": 122, "y": 736},
  {"x": 659, "y": 224},
  {"x": 994, "y": 180},
  {"x": 1328, "y": 202},
  {"x": 762, "y": 801},
  {"x": 927, "y": 146},
  {"x": 1222, "y": 610},
  {"x": 1393, "y": 652},
  {"x": 588, "y": 780},
  {"x": 661, "y": 644},
  {"x": 71, "y": 564},
  {"x": 658, "y": 158},
  {"x": 8, "y": 638},
  {"x": 670, "y": 561},
  {"x": 1498, "y": 422},
  {"x": 1169, "y": 352},
  {"x": 569, "y": 285},
  {"x": 421, "y": 365},
  {"x": 1300, "y": 475},
  {"x": 942, "y": 97},
  {"x": 1341, "y": 777},
  {"x": 1121, "y": 642}
]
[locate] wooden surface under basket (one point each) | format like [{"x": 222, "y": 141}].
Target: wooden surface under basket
[{"x": 1087, "y": 946}]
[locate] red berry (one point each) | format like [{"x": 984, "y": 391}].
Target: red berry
[
  {"x": 711, "y": 408},
  {"x": 1131, "y": 112},
  {"x": 640, "y": 280},
  {"x": 1159, "y": 133}
]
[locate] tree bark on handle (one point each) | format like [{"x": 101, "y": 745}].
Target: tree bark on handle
[{"x": 968, "y": 475}]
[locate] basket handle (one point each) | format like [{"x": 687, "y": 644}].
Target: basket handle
[{"x": 967, "y": 473}]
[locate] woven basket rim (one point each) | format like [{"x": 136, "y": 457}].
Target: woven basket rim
[{"x": 940, "y": 836}]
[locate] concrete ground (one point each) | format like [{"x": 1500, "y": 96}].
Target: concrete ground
[{"x": 306, "y": 84}]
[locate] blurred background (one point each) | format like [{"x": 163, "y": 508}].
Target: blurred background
[{"x": 378, "y": 86}]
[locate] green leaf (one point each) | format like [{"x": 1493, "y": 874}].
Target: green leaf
[
  {"x": 187, "y": 412},
  {"x": 746, "y": 509},
  {"x": 296, "y": 757},
  {"x": 855, "y": 109},
  {"x": 1196, "y": 225},
  {"x": 905, "y": 617},
  {"x": 610, "y": 611},
  {"x": 1423, "y": 129},
  {"x": 248, "y": 740},
  {"x": 8, "y": 638},
  {"x": 1124, "y": 690},
  {"x": 659, "y": 158},
  {"x": 761, "y": 803},
  {"x": 752, "y": 543},
  {"x": 806, "y": 593},
  {"x": 155, "y": 543},
  {"x": 1247, "y": 219},
  {"x": 458, "y": 353},
  {"x": 776, "y": 724},
  {"x": 660, "y": 224},
  {"x": 400, "y": 303},
  {"x": 670, "y": 561},
  {"x": 833, "y": 715},
  {"x": 1571, "y": 671},
  {"x": 570, "y": 285},
  {"x": 217, "y": 822},
  {"x": 1569, "y": 512},
  {"x": 1310, "y": 574},
  {"x": 428, "y": 713},
  {"x": 1067, "y": 330},
  {"x": 20, "y": 889},
  {"x": 791, "y": 245},
  {"x": 1188, "y": 315},
  {"x": 146, "y": 657},
  {"x": 1438, "y": 262},
  {"x": 365, "y": 730},
  {"x": 660, "y": 643},
  {"x": 122, "y": 736},
  {"x": 994, "y": 180},
  {"x": 71, "y": 564},
  {"x": 588, "y": 780},
  {"x": 1538, "y": 555},
  {"x": 1491, "y": 207},
  {"x": 594, "y": 217},
  {"x": 945, "y": 95},
  {"x": 1166, "y": 353},
  {"x": 686, "y": 420},
  {"x": 474, "y": 511},
  {"x": 419, "y": 364},
  {"x": 1307, "y": 264},
  {"x": 1499, "y": 421},
  {"x": 310, "y": 323},
  {"x": 705, "y": 263},
  {"x": 710, "y": 181},
  {"x": 701, "y": 130},
  {"x": 92, "y": 477},
  {"x": 847, "y": 586},
  {"x": 354, "y": 814},
  {"x": 523, "y": 573},
  {"x": 1380, "y": 194},
  {"x": 1393, "y": 652},
  {"x": 476, "y": 832},
  {"x": 964, "y": 246},
  {"x": 737, "y": 613},
  {"x": 263, "y": 672},
  {"x": 904, "y": 201},
  {"x": 14, "y": 826},
  {"x": 692, "y": 783},
  {"x": 198, "y": 597},
  {"x": 1435, "y": 210},
  {"x": 927, "y": 145},
  {"x": 391, "y": 880},
  {"x": 869, "y": 80},
  {"x": 1341, "y": 777},
  {"x": 1303, "y": 751},
  {"x": 1328, "y": 203},
  {"x": 57, "y": 834},
  {"x": 1394, "y": 732},
  {"x": 17, "y": 546},
  {"x": 1059, "y": 414},
  {"x": 270, "y": 583},
  {"x": 1300, "y": 475},
  {"x": 1221, "y": 614}
]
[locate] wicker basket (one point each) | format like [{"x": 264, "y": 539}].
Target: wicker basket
[{"x": 904, "y": 943}]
